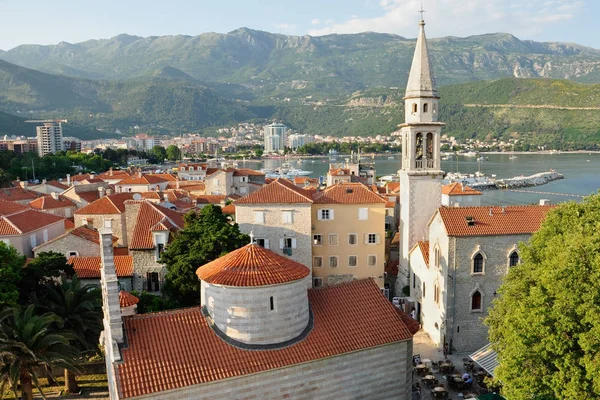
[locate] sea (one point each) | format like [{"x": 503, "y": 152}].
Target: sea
[{"x": 581, "y": 173}]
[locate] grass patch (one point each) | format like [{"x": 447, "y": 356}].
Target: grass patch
[{"x": 95, "y": 382}]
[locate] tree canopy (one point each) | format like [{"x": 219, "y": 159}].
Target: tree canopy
[
  {"x": 545, "y": 325},
  {"x": 11, "y": 274},
  {"x": 173, "y": 153},
  {"x": 41, "y": 274},
  {"x": 207, "y": 235}
]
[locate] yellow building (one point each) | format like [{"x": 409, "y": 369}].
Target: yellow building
[{"x": 348, "y": 234}]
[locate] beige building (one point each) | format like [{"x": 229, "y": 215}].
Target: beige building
[
  {"x": 107, "y": 207},
  {"x": 25, "y": 229},
  {"x": 348, "y": 235},
  {"x": 457, "y": 195},
  {"x": 279, "y": 217},
  {"x": 54, "y": 204},
  {"x": 234, "y": 181}
]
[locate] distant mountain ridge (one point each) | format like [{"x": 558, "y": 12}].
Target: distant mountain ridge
[{"x": 276, "y": 64}]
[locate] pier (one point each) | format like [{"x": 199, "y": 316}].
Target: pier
[{"x": 545, "y": 193}]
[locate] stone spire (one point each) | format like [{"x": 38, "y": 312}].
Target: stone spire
[{"x": 421, "y": 82}]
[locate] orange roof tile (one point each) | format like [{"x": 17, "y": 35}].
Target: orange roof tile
[
  {"x": 69, "y": 223},
  {"x": 109, "y": 204},
  {"x": 229, "y": 209},
  {"x": 149, "y": 216},
  {"x": 144, "y": 180},
  {"x": 252, "y": 265},
  {"x": 17, "y": 194},
  {"x": 89, "y": 267},
  {"x": 302, "y": 180},
  {"x": 514, "y": 220},
  {"x": 116, "y": 174},
  {"x": 126, "y": 299},
  {"x": 9, "y": 207},
  {"x": 80, "y": 177},
  {"x": 348, "y": 317},
  {"x": 348, "y": 193},
  {"x": 49, "y": 203},
  {"x": 280, "y": 191},
  {"x": 90, "y": 196},
  {"x": 26, "y": 221},
  {"x": 165, "y": 177},
  {"x": 247, "y": 172},
  {"x": 424, "y": 247},
  {"x": 120, "y": 251},
  {"x": 412, "y": 324},
  {"x": 458, "y": 189},
  {"x": 209, "y": 199},
  {"x": 392, "y": 187},
  {"x": 57, "y": 184},
  {"x": 339, "y": 171}
]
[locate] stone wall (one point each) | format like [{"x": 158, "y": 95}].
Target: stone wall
[
  {"x": 70, "y": 243},
  {"x": 118, "y": 224},
  {"x": 144, "y": 261},
  {"x": 378, "y": 373},
  {"x": 245, "y": 313}
]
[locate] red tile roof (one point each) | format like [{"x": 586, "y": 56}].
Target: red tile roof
[
  {"x": 424, "y": 247},
  {"x": 57, "y": 184},
  {"x": 144, "y": 180},
  {"x": 89, "y": 267},
  {"x": 17, "y": 194},
  {"x": 209, "y": 199},
  {"x": 348, "y": 193},
  {"x": 49, "y": 203},
  {"x": 339, "y": 171},
  {"x": 126, "y": 299},
  {"x": 458, "y": 189},
  {"x": 252, "y": 265},
  {"x": 121, "y": 251},
  {"x": 116, "y": 174},
  {"x": 509, "y": 220},
  {"x": 165, "y": 177},
  {"x": 174, "y": 349},
  {"x": 26, "y": 221},
  {"x": 69, "y": 223},
  {"x": 247, "y": 172},
  {"x": 9, "y": 207},
  {"x": 149, "y": 217},
  {"x": 229, "y": 209},
  {"x": 412, "y": 324},
  {"x": 393, "y": 187},
  {"x": 302, "y": 180},
  {"x": 109, "y": 204},
  {"x": 89, "y": 196},
  {"x": 280, "y": 191}
]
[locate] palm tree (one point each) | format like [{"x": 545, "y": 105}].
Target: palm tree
[
  {"x": 80, "y": 309},
  {"x": 4, "y": 178},
  {"x": 28, "y": 344}
]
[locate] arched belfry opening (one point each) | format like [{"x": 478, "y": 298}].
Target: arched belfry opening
[
  {"x": 419, "y": 146},
  {"x": 429, "y": 150}
]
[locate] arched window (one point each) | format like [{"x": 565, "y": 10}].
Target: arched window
[
  {"x": 425, "y": 107},
  {"x": 429, "y": 146},
  {"x": 476, "y": 303},
  {"x": 478, "y": 264},
  {"x": 513, "y": 259},
  {"x": 436, "y": 256},
  {"x": 419, "y": 146},
  {"x": 415, "y": 108}
]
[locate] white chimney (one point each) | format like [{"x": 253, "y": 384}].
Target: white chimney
[
  {"x": 68, "y": 179},
  {"x": 110, "y": 171},
  {"x": 544, "y": 202},
  {"x": 100, "y": 192},
  {"x": 54, "y": 195},
  {"x": 166, "y": 197},
  {"x": 109, "y": 191},
  {"x": 491, "y": 212},
  {"x": 92, "y": 176}
]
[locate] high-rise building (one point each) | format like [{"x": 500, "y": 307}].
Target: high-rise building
[
  {"x": 275, "y": 137},
  {"x": 297, "y": 140},
  {"x": 49, "y": 138},
  {"x": 71, "y": 143}
]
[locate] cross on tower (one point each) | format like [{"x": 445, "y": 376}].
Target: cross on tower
[
  {"x": 421, "y": 11},
  {"x": 251, "y": 237}
]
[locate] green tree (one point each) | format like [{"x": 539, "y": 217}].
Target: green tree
[
  {"x": 173, "y": 153},
  {"x": 207, "y": 235},
  {"x": 80, "y": 308},
  {"x": 28, "y": 344},
  {"x": 159, "y": 152},
  {"x": 545, "y": 325},
  {"x": 41, "y": 273},
  {"x": 11, "y": 273}
]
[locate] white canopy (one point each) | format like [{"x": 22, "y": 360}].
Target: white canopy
[{"x": 487, "y": 358}]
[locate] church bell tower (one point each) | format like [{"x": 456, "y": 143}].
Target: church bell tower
[{"x": 420, "y": 173}]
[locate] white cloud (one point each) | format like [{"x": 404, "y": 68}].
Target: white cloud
[
  {"x": 315, "y": 21},
  {"x": 459, "y": 17}
]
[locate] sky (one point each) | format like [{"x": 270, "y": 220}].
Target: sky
[{"x": 53, "y": 21}]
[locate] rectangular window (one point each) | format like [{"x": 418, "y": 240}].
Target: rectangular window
[
  {"x": 262, "y": 242},
  {"x": 352, "y": 261},
  {"x": 72, "y": 254},
  {"x": 271, "y": 303},
  {"x": 371, "y": 260},
  {"x": 317, "y": 262},
  {"x": 259, "y": 217},
  {"x": 333, "y": 239},
  {"x": 152, "y": 279},
  {"x": 333, "y": 261},
  {"x": 325, "y": 215},
  {"x": 286, "y": 217},
  {"x": 33, "y": 240},
  {"x": 363, "y": 214},
  {"x": 317, "y": 240},
  {"x": 160, "y": 248},
  {"x": 371, "y": 238},
  {"x": 388, "y": 226},
  {"x": 317, "y": 282},
  {"x": 352, "y": 239}
]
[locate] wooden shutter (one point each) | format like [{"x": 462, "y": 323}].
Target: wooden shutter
[
  {"x": 319, "y": 215},
  {"x": 366, "y": 238},
  {"x": 377, "y": 238},
  {"x": 281, "y": 243},
  {"x": 293, "y": 243},
  {"x": 266, "y": 243},
  {"x": 330, "y": 214}
]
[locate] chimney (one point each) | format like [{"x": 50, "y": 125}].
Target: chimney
[
  {"x": 462, "y": 186},
  {"x": 119, "y": 189},
  {"x": 92, "y": 176},
  {"x": 177, "y": 183},
  {"x": 100, "y": 192},
  {"x": 109, "y": 191},
  {"x": 68, "y": 179},
  {"x": 44, "y": 181},
  {"x": 89, "y": 223},
  {"x": 23, "y": 184},
  {"x": 166, "y": 197},
  {"x": 139, "y": 173},
  {"x": 113, "y": 323},
  {"x": 544, "y": 202},
  {"x": 110, "y": 173},
  {"x": 503, "y": 209},
  {"x": 54, "y": 195},
  {"x": 491, "y": 212}
]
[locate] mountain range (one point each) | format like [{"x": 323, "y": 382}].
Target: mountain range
[{"x": 335, "y": 84}]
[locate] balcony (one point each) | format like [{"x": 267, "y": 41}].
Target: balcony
[
  {"x": 287, "y": 251},
  {"x": 418, "y": 164}
]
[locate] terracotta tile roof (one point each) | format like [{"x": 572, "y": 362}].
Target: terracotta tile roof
[
  {"x": 9, "y": 207},
  {"x": 151, "y": 195},
  {"x": 458, "y": 189},
  {"x": 247, "y": 172},
  {"x": 49, "y": 203},
  {"x": 126, "y": 299},
  {"x": 165, "y": 177},
  {"x": 121, "y": 251},
  {"x": 90, "y": 196},
  {"x": 515, "y": 220},
  {"x": 18, "y": 194},
  {"x": 348, "y": 193},
  {"x": 181, "y": 205},
  {"x": 177, "y": 348},
  {"x": 149, "y": 216},
  {"x": 252, "y": 265},
  {"x": 280, "y": 191},
  {"x": 209, "y": 199},
  {"x": 188, "y": 186},
  {"x": 144, "y": 180},
  {"x": 395, "y": 239},
  {"x": 57, "y": 184},
  {"x": 412, "y": 324},
  {"x": 229, "y": 209},
  {"x": 339, "y": 171},
  {"x": 390, "y": 204},
  {"x": 89, "y": 267},
  {"x": 109, "y": 204},
  {"x": 116, "y": 174},
  {"x": 392, "y": 187},
  {"x": 302, "y": 180},
  {"x": 69, "y": 223},
  {"x": 80, "y": 177},
  {"x": 424, "y": 247},
  {"x": 82, "y": 232},
  {"x": 26, "y": 221},
  {"x": 92, "y": 180}
]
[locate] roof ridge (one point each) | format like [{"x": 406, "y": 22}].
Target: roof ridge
[
  {"x": 11, "y": 223},
  {"x": 297, "y": 190}
]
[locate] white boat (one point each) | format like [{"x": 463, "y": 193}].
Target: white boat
[
  {"x": 482, "y": 158},
  {"x": 390, "y": 157},
  {"x": 470, "y": 154},
  {"x": 298, "y": 172},
  {"x": 512, "y": 157}
]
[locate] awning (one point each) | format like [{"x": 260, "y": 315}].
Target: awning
[{"x": 487, "y": 358}]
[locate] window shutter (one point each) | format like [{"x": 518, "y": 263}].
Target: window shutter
[
  {"x": 266, "y": 243},
  {"x": 319, "y": 215},
  {"x": 148, "y": 281},
  {"x": 281, "y": 243},
  {"x": 366, "y": 238},
  {"x": 378, "y": 238},
  {"x": 293, "y": 243},
  {"x": 330, "y": 214}
]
